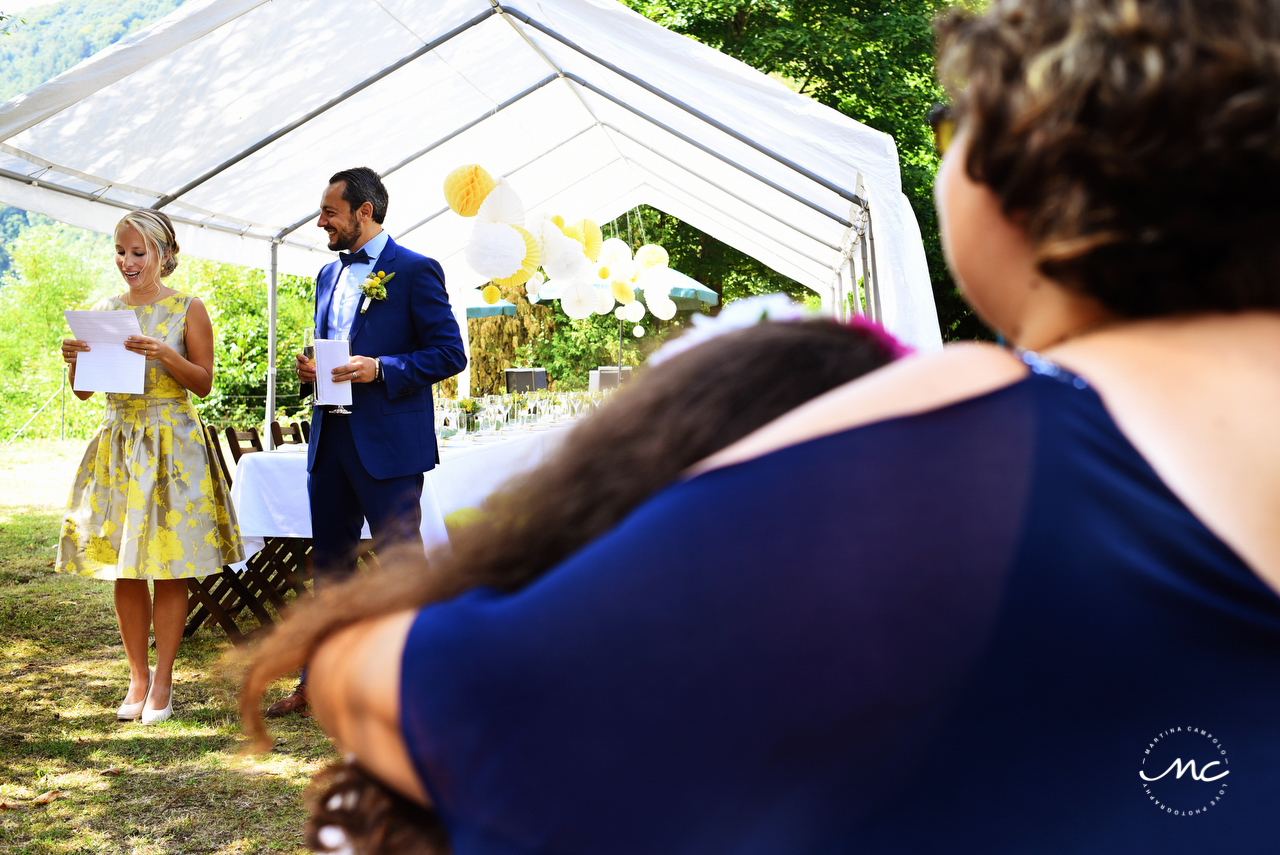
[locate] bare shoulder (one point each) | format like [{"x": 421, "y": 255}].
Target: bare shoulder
[
  {"x": 353, "y": 682},
  {"x": 915, "y": 384}
]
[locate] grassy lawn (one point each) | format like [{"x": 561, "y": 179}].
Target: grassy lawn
[{"x": 180, "y": 786}]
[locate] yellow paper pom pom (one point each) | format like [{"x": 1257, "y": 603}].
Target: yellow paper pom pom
[
  {"x": 466, "y": 187},
  {"x": 532, "y": 261},
  {"x": 603, "y": 273},
  {"x": 559, "y": 221},
  {"x": 491, "y": 294},
  {"x": 572, "y": 231},
  {"x": 651, "y": 255},
  {"x": 622, "y": 292},
  {"x": 592, "y": 239}
]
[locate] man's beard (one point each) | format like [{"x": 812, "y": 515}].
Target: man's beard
[{"x": 345, "y": 240}]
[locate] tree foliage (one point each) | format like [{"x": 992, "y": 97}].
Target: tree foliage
[{"x": 50, "y": 39}]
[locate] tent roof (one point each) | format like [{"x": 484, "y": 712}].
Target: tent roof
[{"x": 231, "y": 114}]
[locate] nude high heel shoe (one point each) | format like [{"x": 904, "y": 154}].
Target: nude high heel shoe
[
  {"x": 153, "y": 716},
  {"x": 132, "y": 712}
]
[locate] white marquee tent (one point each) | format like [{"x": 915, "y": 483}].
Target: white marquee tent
[{"x": 230, "y": 115}]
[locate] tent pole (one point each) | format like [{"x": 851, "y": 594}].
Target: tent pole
[
  {"x": 865, "y": 299},
  {"x": 873, "y": 293},
  {"x": 853, "y": 288},
  {"x": 267, "y": 440}
]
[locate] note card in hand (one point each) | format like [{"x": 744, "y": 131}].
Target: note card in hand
[
  {"x": 107, "y": 367},
  {"x": 331, "y": 354}
]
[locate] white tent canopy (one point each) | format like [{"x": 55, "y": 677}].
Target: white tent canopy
[{"x": 230, "y": 115}]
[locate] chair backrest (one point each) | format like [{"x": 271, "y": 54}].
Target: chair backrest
[
  {"x": 292, "y": 435},
  {"x": 215, "y": 448},
  {"x": 306, "y": 431},
  {"x": 243, "y": 442}
]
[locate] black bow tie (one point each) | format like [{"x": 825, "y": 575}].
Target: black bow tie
[{"x": 349, "y": 258}]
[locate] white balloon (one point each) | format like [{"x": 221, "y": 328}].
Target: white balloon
[
  {"x": 502, "y": 205},
  {"x": 579, "y": 299},
  {"x": 495, "y": 250}
]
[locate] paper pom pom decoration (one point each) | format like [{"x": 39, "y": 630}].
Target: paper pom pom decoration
[
  {"x": 564, "y": 260},
  {"x": 605, "y": 300},
  {"x": 663, "y": 309},
  {"x": 579, "y": 300},
  {"x": 502, "y": 205},
  {"x": 622, "y": 292},
  {"x": 657, "y": 282},
  {"x": 532, "y": 261},
  {"x": 491, "y": 294},
  {"x": 466, "y": 188},
  {"x": 614, "y": 251},
  {"x": 620, "y": 313},
  {"x": 558, "y": 220},
  {"x": 633, "y": 311},
  {"x": 637, "y": 331},
  {"x": 587, "y": 233},
  {"x": 495, "y": 251},
  {"x": 534, "y": 285},
  {"x": 651, "y": 255}
]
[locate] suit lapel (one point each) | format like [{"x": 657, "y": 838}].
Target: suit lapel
[
  {"x": 385, "y": 263},
  {"x": 328, "y": 283}
]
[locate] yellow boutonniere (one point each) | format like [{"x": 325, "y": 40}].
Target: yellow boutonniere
[{"x": 374, "y": 288}]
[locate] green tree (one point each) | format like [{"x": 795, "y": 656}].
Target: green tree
[{"x": 872, "y": 60}]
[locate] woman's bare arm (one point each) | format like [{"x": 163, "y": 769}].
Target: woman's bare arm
[{"x": 353, "y": 683}]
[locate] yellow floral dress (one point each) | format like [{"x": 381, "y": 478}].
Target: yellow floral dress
[{"x": 149, "y": 501}]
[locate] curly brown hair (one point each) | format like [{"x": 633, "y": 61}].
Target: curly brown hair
[
  {"x": 1137, "y": 140},
  {"x": 674, "y": 415}
]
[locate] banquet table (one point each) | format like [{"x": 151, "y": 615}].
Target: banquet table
[{"x": 269, "y": 489}]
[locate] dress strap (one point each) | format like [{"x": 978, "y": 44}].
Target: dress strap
[{"x": 1047, "y": 368}]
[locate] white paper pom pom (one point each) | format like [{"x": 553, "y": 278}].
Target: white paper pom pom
[
  {"x": 604, "y": 298},
  {"x": 502, "y": 205},
  {"x": 635, "y": 312},
  {"x": 534, "y": 284},
  {"x": 540, "y": 226},
  {"x": 657, "y": 282},
  {"x": 620, "y": 313},
  {"x": 637, "y": 331},
  {"x": 495, "y": 250},
  {"x": 615, "y": 251},
  {"x": 663, "y": 309},
  {"x": 579, "y": 299},
  {"x": 564, "y": 259}
]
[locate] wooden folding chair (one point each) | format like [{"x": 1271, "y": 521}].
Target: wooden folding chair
[
  {"x": 292, "y": 435},
  {"x": 306, "y": 431},
  {"x": 242, "y": 442},
  {"x": 215, "y": 448}
]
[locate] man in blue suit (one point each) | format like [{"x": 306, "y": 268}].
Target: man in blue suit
[{"x": 370, "y": 464}]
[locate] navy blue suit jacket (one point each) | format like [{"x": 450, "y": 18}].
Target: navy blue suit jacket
[{"x": 415, "y": 334}]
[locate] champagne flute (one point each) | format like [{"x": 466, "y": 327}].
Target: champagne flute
[{"x": 309, "y": 347}]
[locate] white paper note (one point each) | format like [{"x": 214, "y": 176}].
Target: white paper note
[
  {"x": 331, "y": 354},
  {"x": 107, "y": 367}
]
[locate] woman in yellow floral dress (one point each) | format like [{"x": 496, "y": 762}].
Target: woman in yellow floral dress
[{"x": 148, "y": 502}]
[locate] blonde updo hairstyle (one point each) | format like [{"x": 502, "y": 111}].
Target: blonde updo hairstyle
[{"x": 157, "y": 230}]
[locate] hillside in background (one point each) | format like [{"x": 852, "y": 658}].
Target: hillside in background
[{"x": 57, "y": 36}]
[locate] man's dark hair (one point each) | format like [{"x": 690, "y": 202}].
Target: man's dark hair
[{"x": 362, "y": 185}]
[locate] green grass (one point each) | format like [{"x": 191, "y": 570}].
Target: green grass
[{"x": 181, "y": 786}]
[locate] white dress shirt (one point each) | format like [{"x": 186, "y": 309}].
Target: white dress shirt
[{"x": 347, "y": 296}]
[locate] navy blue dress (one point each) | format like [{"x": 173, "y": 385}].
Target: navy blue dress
[{"x": 987, "y": 628}]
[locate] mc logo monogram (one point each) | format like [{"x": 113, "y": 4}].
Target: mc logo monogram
[{"x": 1191, "y": 789}]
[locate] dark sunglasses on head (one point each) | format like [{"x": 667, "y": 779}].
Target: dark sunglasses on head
[{"x": 944, "y": 127}]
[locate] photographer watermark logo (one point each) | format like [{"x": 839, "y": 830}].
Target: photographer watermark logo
[{"x": 1184, "y": 771}]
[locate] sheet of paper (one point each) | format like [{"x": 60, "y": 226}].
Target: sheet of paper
[
  {"x": 329, "y": 355},
  {"x": 107, "y": 367}
]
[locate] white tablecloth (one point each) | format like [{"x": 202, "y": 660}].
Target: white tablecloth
[{"x": 269, "y": 489}]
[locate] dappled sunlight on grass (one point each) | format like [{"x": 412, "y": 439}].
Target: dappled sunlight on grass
[{"x": 179, "y": 786}]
